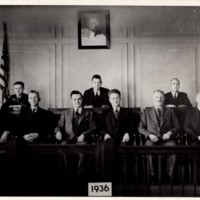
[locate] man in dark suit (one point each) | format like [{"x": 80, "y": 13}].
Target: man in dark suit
[
  {"x": 175, "y": 98},
  {"x": 18, "y": 99},
  {"x": 192, "y": 123},
  {"x": 116, "y": 121},
  {"x": 97, "y": 96},
  {"x": 159, "y": 125},
  {"x": 117, "y": 128},
  {"x": 35, "y": 123},
  {"x": 75, "y": 124}
]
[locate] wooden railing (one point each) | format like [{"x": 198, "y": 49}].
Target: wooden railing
[
  {"x": 125, "y": 166},
  {"x": 185, "y": 180}
]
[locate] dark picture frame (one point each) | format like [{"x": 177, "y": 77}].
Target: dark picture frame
[{"x": 94, "y": 29}]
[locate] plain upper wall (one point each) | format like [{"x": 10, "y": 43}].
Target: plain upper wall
[{"x": 149, "y": 46}]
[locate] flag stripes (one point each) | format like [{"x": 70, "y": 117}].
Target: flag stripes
[{"x": 4, "y": 68}]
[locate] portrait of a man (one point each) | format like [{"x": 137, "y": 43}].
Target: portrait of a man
[{"x": 93, "y": 29}]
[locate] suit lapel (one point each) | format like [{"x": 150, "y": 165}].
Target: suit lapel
[
  {"x": 163, "y": 116},
  {"x": 82, "y": 115},
  {"x": 113, "y": 118},
  {"x": 69, "y": 119},
  {"x": 153, "y": 115}
]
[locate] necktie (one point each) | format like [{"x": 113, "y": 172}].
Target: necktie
[
  {"x": 159, "y": 115},
  {"x": 116, "y": 113},
  {"x": 76, "y": 121},
  {"x": 77, "y": 114},
  {"x": 97, "y": 103},
  {"x": 175, "y": 95},
  {"x": 34, "y": 111}
]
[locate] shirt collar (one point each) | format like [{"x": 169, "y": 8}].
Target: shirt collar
[
  {"x": 161, "y": 108},
  {"x": 96, "y": 92},
  {"x": 173, "y": 93},
  {"x": 79, "y": 110},
  {"x": 35, "y": 109},
  {"x": 116, "y": 109}
]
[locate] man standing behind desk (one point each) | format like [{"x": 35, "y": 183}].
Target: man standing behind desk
[
  {"x": 159, "y": 125},
  {"x": 97, "y": 96},
  {"x": 18, "y": 99},
  {"x": 176, "y": 98}
]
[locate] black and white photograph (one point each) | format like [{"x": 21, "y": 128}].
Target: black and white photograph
[
  {"x": 100, "y": 100},
  {"x": 94, "y": 29}
]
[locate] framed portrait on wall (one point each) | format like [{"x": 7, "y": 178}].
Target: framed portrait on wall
[{"x": 94, "y": 29}]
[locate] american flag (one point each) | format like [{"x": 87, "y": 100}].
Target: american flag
[{"x": 4, "y": 69}]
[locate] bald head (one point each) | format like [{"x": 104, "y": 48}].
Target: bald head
[{"x": 158, "y": 98}]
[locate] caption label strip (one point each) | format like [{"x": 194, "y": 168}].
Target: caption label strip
[{"x": 100, "y": 189}]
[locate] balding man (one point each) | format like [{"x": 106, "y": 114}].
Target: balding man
[
  {"x": 159, "y": 125},
  {"x": 175, "y": 98}
]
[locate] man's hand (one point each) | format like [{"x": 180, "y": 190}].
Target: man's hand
[
  {"x": 34, "y": 135},
  {"x": 198, "y": 137},
  {"x": 4, "y": 137},
  {"x": 30, "y": 137},
  {"x": 126, "y": 138},
  {"x": 104, "y": 106},
  {"x": 80, "y": 138},
  {"x": 182, "y": 106},
  {"x": 90, "y": 106},
  {"x": 107, "y": 136},
  {"x": 153, "y": 138},
  {"x": 58, "y": 135},
  {"x": 167, "y": 135},
  {"x": 170, "y": 106}
]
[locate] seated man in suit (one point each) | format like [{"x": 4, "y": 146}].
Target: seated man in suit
[
  {"x": 192, "y": 122},
  {"x": 97, "y": 96},
  {"x": 175, "y": 98},
  {"x": 15, "y": 101},
  {"x": 75, "y": 124},
  {"x": 35, "y": 123},
  {"x": 117, "y": 127},
  {"x": 159, "y": 125},
  {"x": 116, "y": 121}
]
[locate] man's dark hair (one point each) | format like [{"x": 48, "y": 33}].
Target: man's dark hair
[
  {"x": 35, "y": 92},
  {"x": 114, "y": 91},
  {"x": 19, "y": 83},
  {"x": 96, "y": 76},
  {"x": 75, "y": 92}
]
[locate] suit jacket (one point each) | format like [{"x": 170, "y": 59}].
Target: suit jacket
[
  {"x": 116, "y": 128},
  {"x": 86, "y": 124},
  {"x": 89, "y": 98},
  {"x": 149, "y": 123},
  {"x": 192, "y": 123},
  {"x": 182, "y": 98},
  {"x": 39, "y": 122},
  {"x": 12, "y": 100}
]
